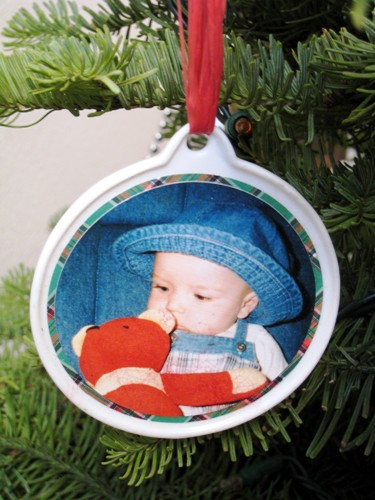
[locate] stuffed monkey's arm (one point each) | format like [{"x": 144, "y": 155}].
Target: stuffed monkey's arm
[{"x": 201, "y": 389}]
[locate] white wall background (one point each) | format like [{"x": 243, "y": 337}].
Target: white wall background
[{"x": 46, "y": 167}]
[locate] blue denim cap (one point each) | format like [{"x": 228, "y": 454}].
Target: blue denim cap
[{"x": 238, "y": 237}]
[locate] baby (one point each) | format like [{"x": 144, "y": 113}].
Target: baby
[{"x": 223, "y": 272}]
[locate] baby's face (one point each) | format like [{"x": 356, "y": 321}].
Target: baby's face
[{"x": 204, "y": 297}]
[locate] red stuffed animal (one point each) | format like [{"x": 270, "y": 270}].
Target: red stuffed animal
[{"x": 122, "y": 360}]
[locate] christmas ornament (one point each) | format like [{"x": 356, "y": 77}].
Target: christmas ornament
[
  {"x": 82, "y": 277},
  {"x": 234, "y": 253}
]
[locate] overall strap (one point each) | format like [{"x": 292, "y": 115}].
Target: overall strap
[{"x": 240, "y": 336}]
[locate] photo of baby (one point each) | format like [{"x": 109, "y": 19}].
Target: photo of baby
[
  {"x": 215, "y": 268},
  {"x": 228, "y": 267}
]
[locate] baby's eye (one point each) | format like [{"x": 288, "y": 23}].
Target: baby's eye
[
  {"x": 162, "y": 288},
  {"x": 202, "y": 298}
]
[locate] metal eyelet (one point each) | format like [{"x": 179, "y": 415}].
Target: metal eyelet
[{"x": 241, "y": 347}]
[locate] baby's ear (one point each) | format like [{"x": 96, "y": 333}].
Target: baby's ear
[{"x": 249, "y": 303}]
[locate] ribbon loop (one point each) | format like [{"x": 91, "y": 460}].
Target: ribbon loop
[{"x": 203, "y": 73}]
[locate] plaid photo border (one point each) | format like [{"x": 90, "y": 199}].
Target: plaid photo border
[{"x": 146, "y": 186}]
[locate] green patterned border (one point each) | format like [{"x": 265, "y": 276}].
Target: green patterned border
[{"x": 146, "y": 186}]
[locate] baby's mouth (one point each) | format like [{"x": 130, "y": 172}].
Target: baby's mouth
[{"x": 182, "y": 328}]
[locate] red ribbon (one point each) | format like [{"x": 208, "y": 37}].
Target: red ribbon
[{"x": 202, "y": 75}]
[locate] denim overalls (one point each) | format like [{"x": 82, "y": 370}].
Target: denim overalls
[{"x": 195, "y": 353}]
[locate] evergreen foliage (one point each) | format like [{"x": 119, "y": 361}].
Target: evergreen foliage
[{"x": 304, "y": 71}]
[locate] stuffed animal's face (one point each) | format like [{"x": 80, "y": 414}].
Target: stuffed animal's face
[{"x": 122, "y": 342}]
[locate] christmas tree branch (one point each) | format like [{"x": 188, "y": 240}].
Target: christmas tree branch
[
  {"x": 289, "y": 97},
  {"x": 42, "y": 24},
  {"x": 98, "y": 72},
  {"x": 63, "y": 18}
]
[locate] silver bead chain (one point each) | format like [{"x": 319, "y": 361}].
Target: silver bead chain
[{"x": 158, "y": 137}]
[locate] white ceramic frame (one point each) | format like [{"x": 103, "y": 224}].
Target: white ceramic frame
[{"x": 218, "y": 158}]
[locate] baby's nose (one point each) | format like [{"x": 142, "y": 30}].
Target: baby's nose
[{"x": 175, "y": 303}]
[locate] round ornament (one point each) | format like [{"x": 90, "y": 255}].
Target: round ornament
[{"x": 185, "y": 294}]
